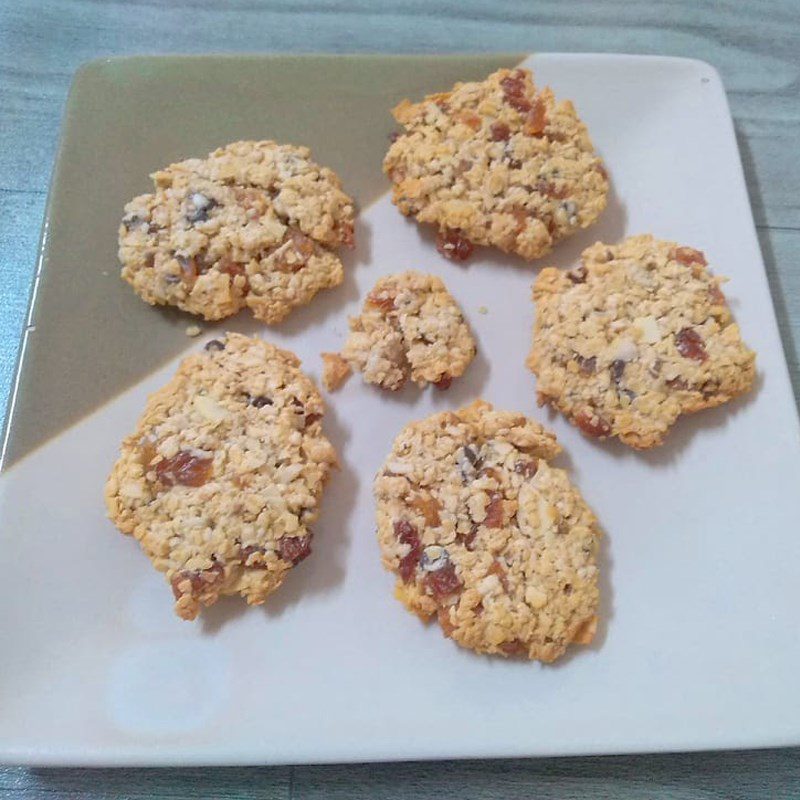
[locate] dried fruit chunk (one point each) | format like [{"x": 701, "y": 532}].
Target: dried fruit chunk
[
  {"x": 716, "y": 295},
  {"x": 189, "y": 271},
  {"x": 406, "y": 533},
  {"x": 452, "y": 244},
  {"x": 498, "y": 570},
  {"x": 381, "y": 300},
  {"x": 587, "y": 365},
  {"x": 514, "y": 89},
  {"x": 494, "y": 511},
  {"x": 688, "y": 255},
  {"x": 549, "y": 189},
  {"x": 196, "y": 582},
  {"x": 184, "y": 469},
  {"x": 592, "y": 424},
  {"x": 471, "y": 119},
  {"x": 443, "y": 582},
  {"x": 617, "y": 369},
  {"x": 428, "y": 507},
  {"x": 536, "y": 119},
  {"x": 294, "y": 548},
  {"x": 526, "y": 468},
  {"x": 499, "y": 132},
  {"x": 690, "y": 344}
]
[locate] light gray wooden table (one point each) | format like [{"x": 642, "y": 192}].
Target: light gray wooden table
[{"x": 755, "y": 46}]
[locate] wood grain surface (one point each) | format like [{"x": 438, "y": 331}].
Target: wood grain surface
[{"x": 755, "y": 47}]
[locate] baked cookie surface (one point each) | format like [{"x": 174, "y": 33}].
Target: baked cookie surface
[
  {"x": 496, "y": 163},
  {"x": 223, "y": 474},
  {"x": 255, "y": 224},
  {"x": 637, "y": 335},
  {"x": 410, "y": 327},
  {"x": 483, "y": 533}
]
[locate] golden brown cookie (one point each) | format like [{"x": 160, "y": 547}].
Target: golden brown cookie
[
  {"x": 498, "y": 163},
  {"x": 254, "y": 224},
  {"x": 637, "y": 335},
  {"x": 223, "y": 474},
  {"x": 410, "y": 327},
  {"x": 483, "y": 533}
]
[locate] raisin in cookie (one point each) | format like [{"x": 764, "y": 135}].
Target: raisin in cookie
[
  {"x": 410, "y": 327},
  {"x": 634, "y": 337},
  {"x": 484, "y": 533},
  {"x": 224, "y": 472},
  {"x": 496, "y": 163},
  {"x": 254, "y": 224}
]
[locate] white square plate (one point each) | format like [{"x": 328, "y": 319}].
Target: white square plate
[{"x": 698, "y": 646}]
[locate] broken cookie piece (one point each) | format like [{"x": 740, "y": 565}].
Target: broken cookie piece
[{"x": 410, "y": 327}]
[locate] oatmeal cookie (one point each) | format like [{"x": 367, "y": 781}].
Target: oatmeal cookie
[
  {"x": 254, "y": 224},
  {"x": 496, "y": 163},
  {"x": 635, "y": 336},
  {"x": 483, "y": 533},
  {"x": 410, "y": 327},
  {"x": 224, "y": 472}
]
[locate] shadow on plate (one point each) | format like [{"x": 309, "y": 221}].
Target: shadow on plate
[{"x": 680, "y": 435}]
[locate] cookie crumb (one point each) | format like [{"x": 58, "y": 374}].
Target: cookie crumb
[
  {"x": 335, "y": 371},
  {"x": 483, "y": 310},
  {"x": 193, "y": 330}
]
